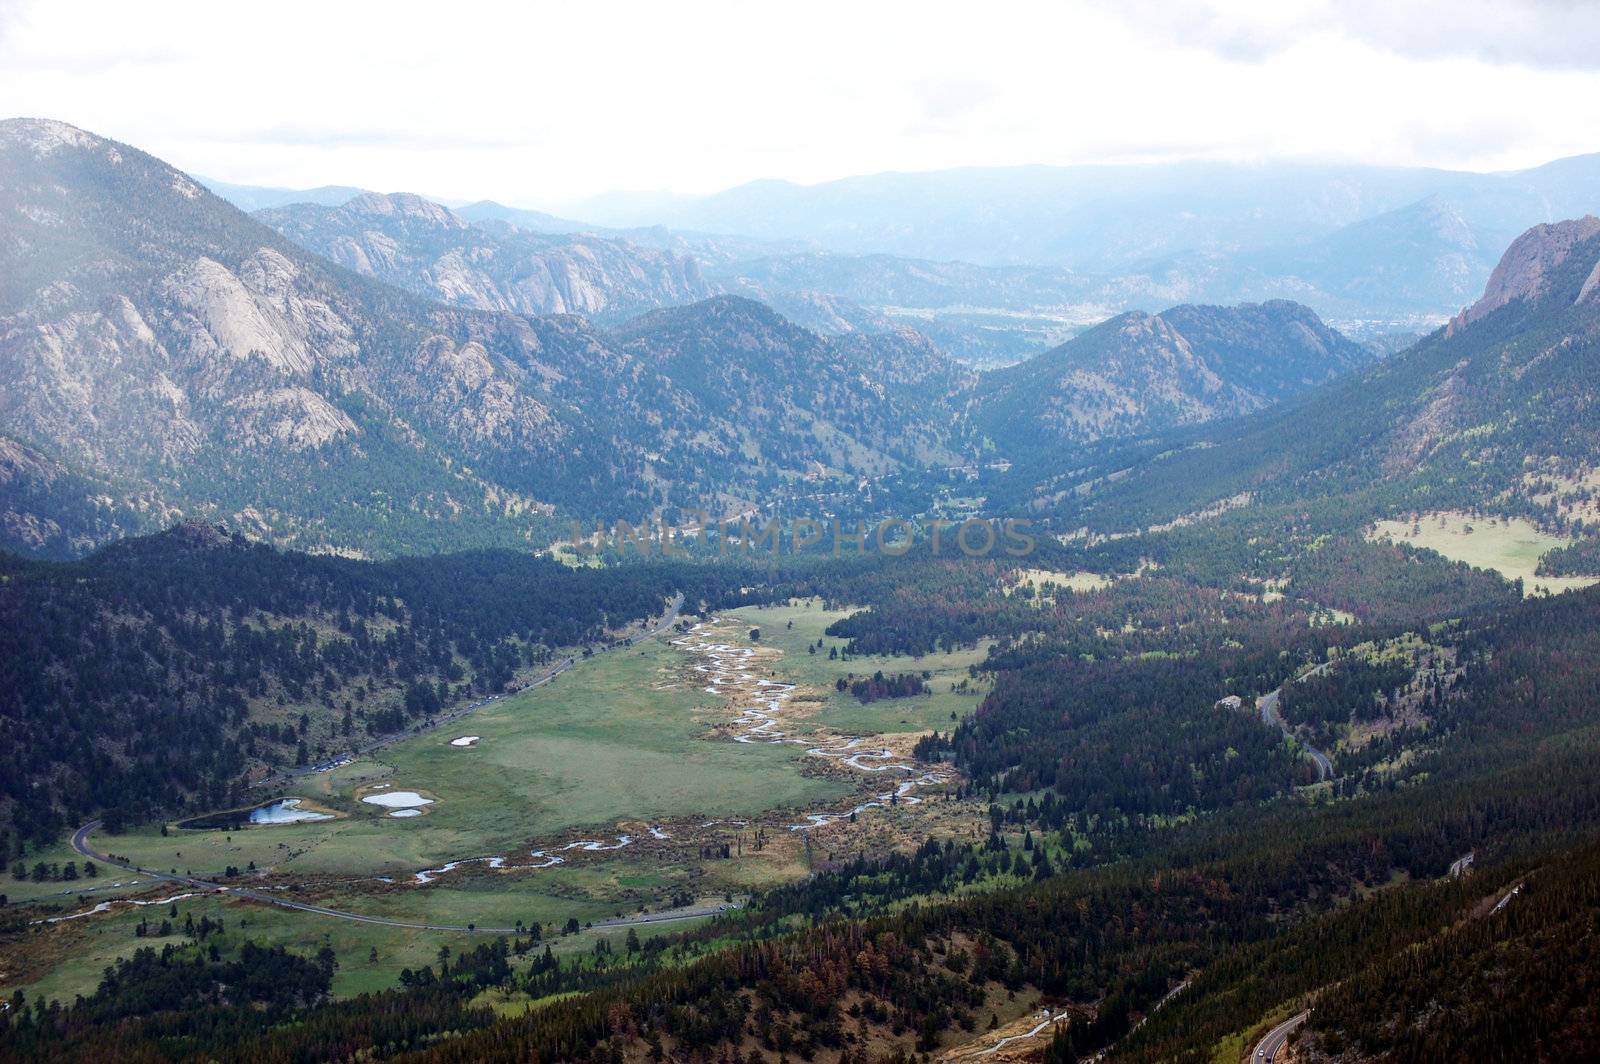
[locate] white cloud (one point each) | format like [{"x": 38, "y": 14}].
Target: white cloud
[
  {"x": 548, "y": 102},
  {"x": 1558, "y": 34}
]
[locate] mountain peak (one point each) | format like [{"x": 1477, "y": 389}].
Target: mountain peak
[
  {"x": 722, "y": 310},
  {"x": 1528, "y": 263},
  {"x": 1141, "y": 372},
  {"x": 404, "y": 205},
  {"x": 45, "y": 135}
]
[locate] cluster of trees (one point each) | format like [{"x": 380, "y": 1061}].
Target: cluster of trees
[
  {"x": 163, "y": 673},
  {"x": 1142, "y": 737},
  {"x": 1580, "y": 559},
  {"x": 172, "y": 993},
  {"x": 1350, "y": 690},
  {"x": 51, "y": 872},
  {"x": 877, "y": 686},
  {"x": 1266, "y": 902}
]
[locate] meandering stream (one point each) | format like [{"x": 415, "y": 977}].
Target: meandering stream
[{"x": 727, "y": 671}]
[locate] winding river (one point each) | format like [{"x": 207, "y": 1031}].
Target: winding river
[{"x": 761, "y": 703}]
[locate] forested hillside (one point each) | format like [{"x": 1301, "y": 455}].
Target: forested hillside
[
  {"x": 1492, "y": 412},
  {"x": 1139, "y": 373},
  {"x": 167, "y": 673},
  {"x": 1254, "y": 909}
]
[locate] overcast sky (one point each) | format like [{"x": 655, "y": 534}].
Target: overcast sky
[{"x": 540, "y": 103}]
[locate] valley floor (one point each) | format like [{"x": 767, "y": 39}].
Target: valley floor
[{"x": 610, "y": 793}]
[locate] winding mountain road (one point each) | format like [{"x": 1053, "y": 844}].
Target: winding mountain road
[
  {"x": 1267, "y": 705},
  {"x": 1268, "y": 1048}
]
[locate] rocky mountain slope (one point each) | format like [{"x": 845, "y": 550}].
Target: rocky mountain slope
[
  {"x": 1139, "y": 373},
  {"x": 154, "y": 337},
  {"x": 1496, "y": 411},
  {"x": 874, "y": 403},
  {"x": 427, "y": 248}
]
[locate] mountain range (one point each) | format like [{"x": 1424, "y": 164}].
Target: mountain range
[
  {"x": 381, "y": 376},
  {"x": 1492, "y": 413},
  {"x": 422, "y": 246},
  {"x": 1001, "y": 264},
  {"x": 1111, "y": 220}
]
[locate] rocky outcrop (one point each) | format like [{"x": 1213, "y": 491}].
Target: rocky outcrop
[
  {"x": 155, "y": 337},
  {"x": 1528, "y": 263},
  {"x": 426, "y": 248},
  {"x": 1591, "y": 287}
]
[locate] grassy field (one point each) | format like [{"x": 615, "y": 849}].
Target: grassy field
[
  {"x": 1043, "y": 582},
  {"x": 606, "y": 748},
  {"x": 1510, "y": 546},
  {"x": 842, "y": 710},
  {"x": 612, "y": 746},
  {"x": 67, "y": 959}
]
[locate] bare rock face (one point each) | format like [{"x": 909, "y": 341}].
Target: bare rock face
[
  {"x": 1591, "y": 287},
  {"x": 292, "y": 417},
  {"x": 1526, "y": 266},
  {"x": 429, "y": 249},
  {"x": 221, "y": 317},
  {"x": 98, "y": 389}
]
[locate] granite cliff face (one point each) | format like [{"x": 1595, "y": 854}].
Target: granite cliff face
[
  {"x": 192, "y": 362},
  {"x": 1525, "y": 269},
  {"x": 421, "y": 246}
]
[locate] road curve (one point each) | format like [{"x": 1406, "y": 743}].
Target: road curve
[
  {"x": 1268, "y": 706},
  {"x": 1268, "y": 1048},
  {"x": 80, "y": 843}
]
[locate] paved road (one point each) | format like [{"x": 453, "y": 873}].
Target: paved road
[
  {"x": 1459, "y": 866},
  {"x": 1503, "y": 902},
  {"x": 1268, "y": 705},
  {"x": 80, "y": 843},
  {"x": 1268, "y": 1048}
]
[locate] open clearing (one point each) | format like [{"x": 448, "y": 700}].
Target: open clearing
[
  {"x": 617, "y": 742},
  {"x": 1043, "y": 582},
  {"x": 628, "y": 743},
  {"x": 1510, "y": 546},
  {"x": 840, "y": 709}
]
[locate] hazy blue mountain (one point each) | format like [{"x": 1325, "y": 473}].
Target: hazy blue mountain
[
  {"x": 260, "y": 197},
  {"x": 1107, "y": 219},
  {"x": 1421, "y": 257},
  {"x": 521, "y": 218}
]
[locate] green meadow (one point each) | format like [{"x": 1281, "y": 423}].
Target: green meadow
[
  {"x": 615, "y": 744},
  {"x": 797, "y": 627},
  {"x": 606, "y": 747}
]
